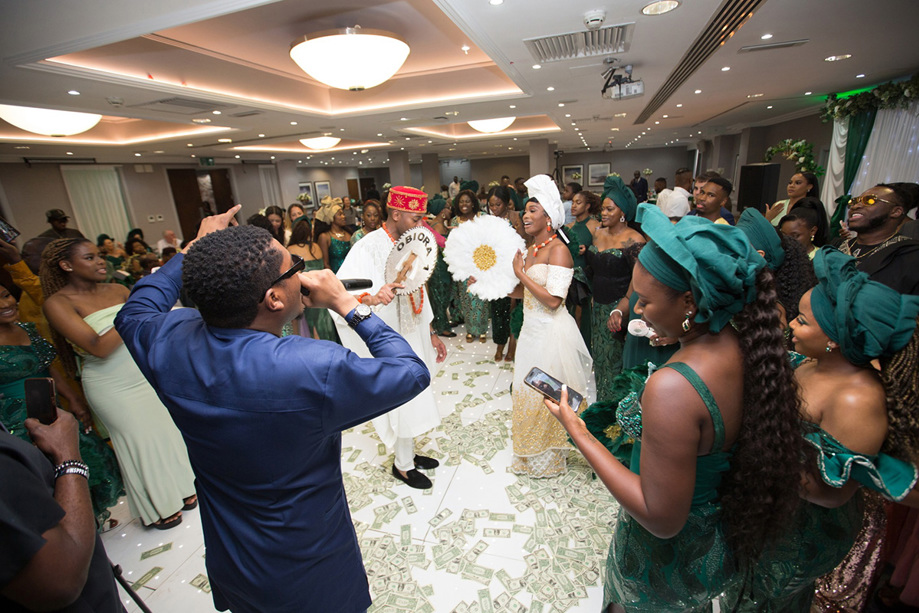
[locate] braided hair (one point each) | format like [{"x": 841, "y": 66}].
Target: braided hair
[
  {"x": 760, "y": 491},
  {"x": 900, "y": 375},
  {"x": 54, "y": 279}
]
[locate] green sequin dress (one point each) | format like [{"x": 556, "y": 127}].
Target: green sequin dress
[
  {"x": 21, "y": 362},
  {"x": 318, "y": 319},
  {"x": 647, "y": 573},
  {"x": 337, "y": 252}
]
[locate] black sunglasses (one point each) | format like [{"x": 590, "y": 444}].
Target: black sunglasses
[{"x": 298, "y": 265}]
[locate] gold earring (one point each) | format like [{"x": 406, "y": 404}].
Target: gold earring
[{"x": 686, "y": 323}]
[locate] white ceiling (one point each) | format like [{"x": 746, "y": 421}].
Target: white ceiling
[{"x": 232, "y": 55}]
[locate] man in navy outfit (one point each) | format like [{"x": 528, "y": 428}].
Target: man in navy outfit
[{"x": 262, "y": 415}]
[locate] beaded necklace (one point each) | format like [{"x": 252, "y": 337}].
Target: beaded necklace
[
  {"x": 543, "y": 244},
  {"x": 411, "y": 297}
]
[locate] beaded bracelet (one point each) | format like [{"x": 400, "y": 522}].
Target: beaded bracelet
[{"x": 71, "y": 467}]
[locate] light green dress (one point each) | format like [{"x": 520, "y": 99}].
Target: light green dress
[{"x": 150, "y": 450}]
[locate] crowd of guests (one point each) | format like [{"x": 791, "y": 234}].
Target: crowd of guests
[{"x": 755, "y": 436}]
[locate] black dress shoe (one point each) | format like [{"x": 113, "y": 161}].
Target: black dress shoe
[
  {"x": 425, "y": 462},
  {"x": 413, "y": 479}
]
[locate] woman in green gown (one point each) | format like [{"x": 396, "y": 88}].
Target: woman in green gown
[
  {"x": 440, "y": 285},
  {"x": 860, "y": 426},
  {"x": 371, "y": 218},
  {"x": 712, "y": 476},
  {"x": 150, "y": 449},
  {"x": 315, "y": 323},
  {"x": 610, "y": 260},
  {"x": 475, "y": 310},
  {"x": 24, "y": 354},
  {"x": 334, "y": 238}
]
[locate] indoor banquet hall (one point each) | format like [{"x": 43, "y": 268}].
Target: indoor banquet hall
[{"x": 119, "y": 117}]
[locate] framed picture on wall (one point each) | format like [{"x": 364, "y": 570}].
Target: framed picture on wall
[
  {"x": 597, "y": 173},
  {"x": 305, "y": 196},
  {"x": 323, "y": 189},
  {"x": 573, "y": 174}
]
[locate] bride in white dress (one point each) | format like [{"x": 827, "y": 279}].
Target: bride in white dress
[{"x": 549, "y": 340}]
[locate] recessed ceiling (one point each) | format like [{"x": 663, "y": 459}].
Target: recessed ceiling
[{"x": 469, "y": 60}]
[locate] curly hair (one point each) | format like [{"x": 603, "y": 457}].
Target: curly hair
[
  {"x": 593, "y": 202},
  {"x": 760, "y": 491},
  {"x": 53, "y": 279},
  {"x": 475, "y": 201},
  {"x": 226, "y": 273},
  {"x": 794, "y": 277},
  {"x": 900, "y": 375}
]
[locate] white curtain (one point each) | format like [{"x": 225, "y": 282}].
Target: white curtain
[
  {"x": 891, "y": 152},
  {"x": 97, "y": 199},
  {"x": 271, "y": 189},
  {"x": 833, "y": 182}
]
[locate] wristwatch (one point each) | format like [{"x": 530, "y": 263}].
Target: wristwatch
[{"x": 358, "y": 314}]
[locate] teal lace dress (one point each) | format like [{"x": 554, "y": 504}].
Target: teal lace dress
[
  {"x": 440, "y": 289},
  {"x": 686, "y": 572},
  {"x": 337, "y": 252},
  {"x": 819, "y": 538},
  {"x": 21, "y": 362}
]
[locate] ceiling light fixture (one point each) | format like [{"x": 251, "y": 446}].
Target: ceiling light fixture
[
  {"x": 74, "y": 92},
  {"x": 860, "y": 76},
  {"x": 765, "y": 37},
  {"x": 537, "y": 66},
  {"x": 339, "y": 58},
  {"x": 808, "y": 93},
  {"x": 490, "y": 126},
  {"x": 48, "y": 121},
  {"x": 496, "y": 2},
  {"x": 838, "y": 58},
  {"x": 464, "y": 49},
  {"x": 660, "y": 7},
  {"x": 725, "y": 68},
  {"x": 550, "y": 89},
  {"x": 698, "y": 91},
  {"x": 320, "y": 142}
]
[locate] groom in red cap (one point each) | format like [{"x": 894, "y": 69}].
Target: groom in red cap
[{"x": 367, "y": 260}]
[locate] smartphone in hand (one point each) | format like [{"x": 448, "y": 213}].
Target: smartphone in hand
[
  {"x": 40, "y": 399},
  {"x": 551, "y": 388},
  {"x": 7, "y": 232}
]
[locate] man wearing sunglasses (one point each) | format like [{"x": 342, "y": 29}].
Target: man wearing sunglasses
[
  {"x": 262, "y": 415},
  {"x": 879, "y": 249}
]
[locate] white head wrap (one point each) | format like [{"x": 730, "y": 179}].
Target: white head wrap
[{"x": 543, "y": 188}]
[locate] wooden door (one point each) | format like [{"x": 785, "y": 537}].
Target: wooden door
[
  {"x": 223, "y": 191},
  {"x": 354, "y": 191},
  {"x": 187, "y": 197}
]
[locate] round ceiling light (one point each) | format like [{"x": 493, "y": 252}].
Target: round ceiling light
[
  {"x": 660, "y": 7},
  {"x": 320, "y": 142},
  {"x": 350, "y": 58},
  {"x": 48, "y": 121},
  {"x": 491, "y": 125}
]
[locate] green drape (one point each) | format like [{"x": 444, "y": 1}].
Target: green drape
[{"x": 856, "y": 141}]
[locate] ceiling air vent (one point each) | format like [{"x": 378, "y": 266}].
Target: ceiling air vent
[
  {"x": 782, "y": 44},
  {"x": 183, "y": 106},
  {"x": 589, "y": 43},
  {"x": 725, "y": 22},
  {"x": 246, "y": 114}
]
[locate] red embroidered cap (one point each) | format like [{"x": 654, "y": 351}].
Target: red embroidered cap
[{"x": 408, "y": 199}]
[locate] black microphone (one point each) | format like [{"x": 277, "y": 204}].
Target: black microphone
[{"x": 349, "y": 284}]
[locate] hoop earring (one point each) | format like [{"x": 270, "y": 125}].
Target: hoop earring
[{"x": 686, "y": 323}]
